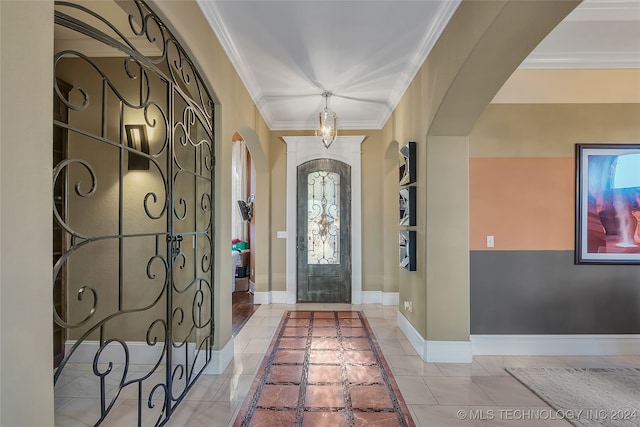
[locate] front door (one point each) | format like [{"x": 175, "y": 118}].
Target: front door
[{"x": 323, "y": 232}]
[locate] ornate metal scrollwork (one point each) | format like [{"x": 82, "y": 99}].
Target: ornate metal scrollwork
[{"x": 125, "y": 257}]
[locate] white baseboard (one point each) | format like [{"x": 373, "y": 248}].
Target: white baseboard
[
  {"x": 390, "y": 298},
  {"x": 220, "y": 359},
  {"x": 262, "y": 297},
  {"x": 371, "y": 297},
  {"x": 252, "y": 287},
  {"x": 368, "y": 297},
  {"x": 556, "y": 345},
  {"x": 273, "y": 297},
  {"x": 278, "y": 297},
  {"x": 140, "y": 353},
  {"x": 435, "y": 351}
]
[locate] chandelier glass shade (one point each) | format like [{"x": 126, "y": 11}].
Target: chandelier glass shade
[{"x": 326, "y": 126}]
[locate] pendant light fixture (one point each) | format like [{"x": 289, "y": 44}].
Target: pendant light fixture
[{"x": 326, "y": 129}]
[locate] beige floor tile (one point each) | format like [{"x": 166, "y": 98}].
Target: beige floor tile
[
  {"x": 204, "y": 414},
  {"x": 508, "y": 392},
  {"x": 495, "y": 365},
  {"x": 249, "y": 332},
  {"x": 245, "y": 363},
  {"x": 257, "y": 345},
  {"x": 414, "y": 390},
  {"x": 457, "y": 391},
  {"x": 80, "y": 412},
  {"x": 234, "y": 388},
  {"x": 624, "y": 361},
  {"x": 392, "y": 347},
  {"x": 542, "y": 362},
  {"x": 511, "y": 416},
  {"x": 473, "y": 369},
  {"x": 586, "y": 361},
  {"x": 442, "y": 416},
  {"x": 407, "y": 365},
  {"x": 206, "y": 388},
  {"x": 406, "y": 345}
]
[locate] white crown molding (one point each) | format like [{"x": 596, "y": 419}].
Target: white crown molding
[
  {"x": 214, "y": 16},
  {"x": 573, "y": 60},
  {"x": 441, "y": 18},
  {"x": 605, "y": 10}
]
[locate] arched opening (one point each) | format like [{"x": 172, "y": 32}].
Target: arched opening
[
  {"x": 243, "y": 182},
  {"x": 133, "y": 216}
]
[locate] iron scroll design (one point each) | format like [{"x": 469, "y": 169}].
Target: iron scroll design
[{"x": 137, "y": 262}]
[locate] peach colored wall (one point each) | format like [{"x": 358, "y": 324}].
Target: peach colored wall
[
  {"x": 525, "y": 203},
  {"x": 522, "y": 169}
]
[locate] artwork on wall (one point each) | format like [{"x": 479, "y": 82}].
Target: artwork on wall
[
  {"x": 408, "y": 163},
  {"x": 408, "y": 206},
  {"x": 408, "y": 250},
  {"x": 608, "y": 204}
]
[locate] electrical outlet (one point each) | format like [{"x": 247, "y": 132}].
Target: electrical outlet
[
  {"x": 490, "y": 241},
  {"x": 408, "y": 305}
]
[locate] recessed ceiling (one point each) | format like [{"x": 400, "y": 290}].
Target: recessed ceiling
[
  {"x": 367, "y": 52},
  {"x": 364, "y": 52}
]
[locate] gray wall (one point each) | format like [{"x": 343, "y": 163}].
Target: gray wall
[{"x": 544, "y": 292}]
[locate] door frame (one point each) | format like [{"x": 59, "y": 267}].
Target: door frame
[
  {"x": 301, "y": 149},
  {"x": 309, "y": 290}
]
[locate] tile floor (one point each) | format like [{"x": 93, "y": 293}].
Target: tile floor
[
  {"x": 324, "y": 368},
  {"x": 437, "y": 394}
]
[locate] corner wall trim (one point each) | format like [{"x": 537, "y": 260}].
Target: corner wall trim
[
  {"x": 262, "y": 297},
  {"x": 556, "y": 345},
  {"x": 379, "y": 297},
  {"x": 435, "y": 351},
  {"x": 220, "y": 359},
  {"x": 390, "y": 298},
  {"x": 368, "y": 297},
  {"x": 141, "y": 353}
]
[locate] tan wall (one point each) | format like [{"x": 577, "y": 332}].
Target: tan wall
[
  {"x": 374, "y": 204},
  {"x": 522, "y": 170},
  {"x": 26, "y": 46},
  {"x": 97, "y": 264},
  {"x": 609, "y": 86},
  {"x": 482, "y": 45}
]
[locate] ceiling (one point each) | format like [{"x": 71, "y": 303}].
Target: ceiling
[{"x": 366, "y": 53}]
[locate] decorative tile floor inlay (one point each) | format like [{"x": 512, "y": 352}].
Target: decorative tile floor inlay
[{"x": 324, "y": 368}]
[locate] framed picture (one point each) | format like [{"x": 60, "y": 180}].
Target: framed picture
[
  {"x": 608, "y": 204},
  {"x": 408, "y": 164},
  {"x": 408, "y": 206},
  {"x": 408, "y": 250}
]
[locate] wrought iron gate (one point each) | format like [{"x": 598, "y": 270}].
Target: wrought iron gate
[{"x": 137, "y": 217}]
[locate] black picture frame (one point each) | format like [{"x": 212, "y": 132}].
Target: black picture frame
[
  {"x": 407, "y": 205},
  {"x": 407, "y": 241},
  {"x": 607, "y": 204},
  {"x": 407, "y": 169}
]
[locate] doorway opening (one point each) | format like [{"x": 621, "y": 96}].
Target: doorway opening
[
  {"x": 243, "y": 190},
  {"x": 324, "y": 232}
]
